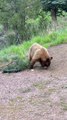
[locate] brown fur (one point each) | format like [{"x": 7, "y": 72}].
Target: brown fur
[{"x": 40, "y": 54}]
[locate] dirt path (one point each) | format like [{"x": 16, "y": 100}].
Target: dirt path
[{"x": 36, "y": 95}]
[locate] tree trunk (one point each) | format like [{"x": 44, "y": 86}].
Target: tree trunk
[
  {"x": 17, "y": 35},
  {"x": 54, "y": 18},
  {"x": 23, "y": 28},
  {"x": 54, "y": 15},
  {"x": 5, "y": 27}
]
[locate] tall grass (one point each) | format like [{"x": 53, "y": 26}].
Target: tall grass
[{"x": 19, "y": 54}]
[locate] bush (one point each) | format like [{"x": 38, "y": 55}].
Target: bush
[
  {"x": 35, "y": 26},
  {"x": 11, "y": 38},
  {"x": 15, "y": 64}
]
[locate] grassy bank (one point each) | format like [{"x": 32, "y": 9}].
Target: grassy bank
[{"x": 18, "y": 54}]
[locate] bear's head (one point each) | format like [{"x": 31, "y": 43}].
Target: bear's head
[{"x": 47, "y": 62}]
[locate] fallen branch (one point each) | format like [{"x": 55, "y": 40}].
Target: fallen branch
[{"x": 6, "y": 64}]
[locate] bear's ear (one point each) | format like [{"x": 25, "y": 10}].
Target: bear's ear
[{"x": 51, "y": 58}]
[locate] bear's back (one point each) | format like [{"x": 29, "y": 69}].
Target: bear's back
[
  {"x": 43, "y": 53},
  {"x": 34, "y": 48}
]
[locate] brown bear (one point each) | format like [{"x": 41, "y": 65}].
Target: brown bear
[{"x": 38, "y": 53}]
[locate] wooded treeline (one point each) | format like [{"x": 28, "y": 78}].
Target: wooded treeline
[{"x": 22, "y": 19}]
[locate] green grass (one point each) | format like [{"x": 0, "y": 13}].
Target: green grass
[{"x": 19, "y": 53}]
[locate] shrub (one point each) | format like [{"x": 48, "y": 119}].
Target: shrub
[
  {"x": 11, "y": 38},
  {"x": 15, "y": 65}
]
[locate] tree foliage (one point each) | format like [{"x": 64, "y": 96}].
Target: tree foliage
[
  {"x": 54, "y": 6},
  {"x": 17, "y": 15},
  {"x": 23, "y": 19},
  {"x": 14, "y": 13}
]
